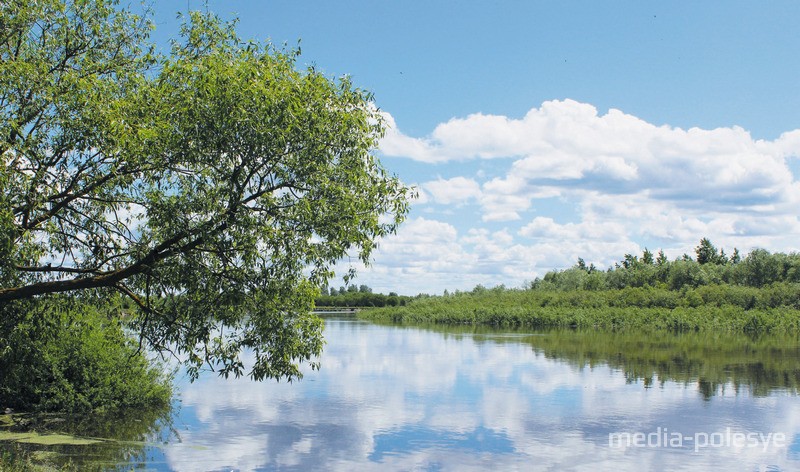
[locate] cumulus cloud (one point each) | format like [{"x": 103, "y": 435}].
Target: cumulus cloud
[
  {"x": 425, "y": 256},
  {"x": 569, "y": 182},
  {"x": 456, "y": 190},
  {"x": 547, "y": 228},
  {"x": 518, "y": 404},
  {"x": 566, "y": 143},
  {"x": 428, "y": 256}
]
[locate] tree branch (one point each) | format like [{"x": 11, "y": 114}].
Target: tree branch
[
  {"x": 49, "y": 268},
  {"x": 164, "y": 250}
]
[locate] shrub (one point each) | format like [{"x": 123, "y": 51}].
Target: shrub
[{"x": 62, "y": 354}]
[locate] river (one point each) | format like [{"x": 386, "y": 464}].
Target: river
[{"x": 461, "y": 398}]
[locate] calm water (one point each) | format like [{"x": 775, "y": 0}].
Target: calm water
[{"x": 399, "y": 398}]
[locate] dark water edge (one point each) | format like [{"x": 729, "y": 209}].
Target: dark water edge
[
  {"x": 43, "y": 442},
  {"x": 460, "y": 397}
]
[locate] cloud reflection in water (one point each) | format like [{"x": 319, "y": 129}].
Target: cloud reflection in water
[{"x": 413, "y": 399}]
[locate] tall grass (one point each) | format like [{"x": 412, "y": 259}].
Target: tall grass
[{"x": 775, "y": 308}]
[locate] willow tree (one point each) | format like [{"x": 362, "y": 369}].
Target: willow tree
[{"x": 214, "y": 186}]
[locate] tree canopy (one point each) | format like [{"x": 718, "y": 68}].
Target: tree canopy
[
  {"x": 759, "y": 269},
  {"x": 214, "y": 186}
]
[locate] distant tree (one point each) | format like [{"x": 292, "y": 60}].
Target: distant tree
[
  {"x": 630, "y": 261},
  {"x": 647, "y": 257},
  {"x": 364, "y": 289},
  {"x": 707, "y": 253},
  {"x": 570, "y": 279},
  {"x": 762, "y": 268},
  {"x": 685, "y": 273},
  {"x": 595, "y": 280},
  {"x": 662, "y": 258}
]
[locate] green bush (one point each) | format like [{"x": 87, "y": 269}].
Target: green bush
[{"x": 67, "y": 355}]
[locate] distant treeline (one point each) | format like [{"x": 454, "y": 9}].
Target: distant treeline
[
  {"x": 361, "y": 296},
  {"x": 758, "y": 293},
  {"x": 711, "y": 267}
]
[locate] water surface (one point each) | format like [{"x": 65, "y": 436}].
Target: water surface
[{"x": 401, "y": 398}]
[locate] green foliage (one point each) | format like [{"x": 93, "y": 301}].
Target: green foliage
[
  {"x": 759, "y": 293},
  {"x": 706, "y": 308},
  {"x": 761, "y": 268},
  {"x": 64, "y": 354},
  {"x": 17, "y": 461},
  {"x": 638, "y": 293},
  {"x": 686, "y": 274},
  {"x": 361, "y": 298},
  {"x": 712, "y": 267},
  {"x": 215, "y": 186},
  {"x": 647, "y": 257},
  {"x": 707, "y": 253}
]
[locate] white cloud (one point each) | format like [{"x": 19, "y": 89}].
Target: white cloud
[
  {"x": 395, "y": 143},
  {"x": 456, "y": 190},
  {"x": 788, "y": 144},
  {"x": 569, "y": 142},
  {"x": 504, "y": 199},
  {"x": 429, "y": 256},
  {"x": 425, "y": 256},
  {"x": 549, "y": 410},
  {"x": 570, "y": 182},
  {"x": 547, "y": 228}
]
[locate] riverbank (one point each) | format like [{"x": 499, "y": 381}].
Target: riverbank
[{"x": 775, "y": 308}]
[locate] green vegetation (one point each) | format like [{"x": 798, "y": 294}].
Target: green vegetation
[
  {"x": 758, "y": 293},
  {"x": 64, "y": 354},
  {"x": 213, "y": 188},
  {"x": 361, "y": 296},
  {"x": 759, "y": 269}
]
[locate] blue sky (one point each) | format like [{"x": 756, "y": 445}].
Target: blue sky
[{"x": 539, "y": 132}]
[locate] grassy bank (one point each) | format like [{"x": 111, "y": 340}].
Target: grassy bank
[{"x": 774, "y": 308}]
